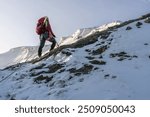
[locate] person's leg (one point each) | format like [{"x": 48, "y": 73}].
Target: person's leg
[
  {"x": 42, "y": 43},
  {"x": 53, "y": 43}
]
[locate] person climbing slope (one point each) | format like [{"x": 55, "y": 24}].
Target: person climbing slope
[{"x": 45, "y": 32}]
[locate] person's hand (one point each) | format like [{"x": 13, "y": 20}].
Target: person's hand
[{"x": 54, "y": 36}]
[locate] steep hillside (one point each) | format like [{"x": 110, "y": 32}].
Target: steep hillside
[{"x": 106, "y": 64}]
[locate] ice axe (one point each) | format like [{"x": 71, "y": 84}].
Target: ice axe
[{"x": 57, "y": 43}]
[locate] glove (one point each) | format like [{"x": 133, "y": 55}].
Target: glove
[{"x": 54, "y": 36}]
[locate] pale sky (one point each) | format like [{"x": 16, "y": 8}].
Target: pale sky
[{"x": 18, "y": 18}]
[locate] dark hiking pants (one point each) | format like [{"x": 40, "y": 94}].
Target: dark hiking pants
[{"x": 43, "y": 38}]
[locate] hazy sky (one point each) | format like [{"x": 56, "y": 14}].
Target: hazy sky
[{"x": 18, "y": 17}]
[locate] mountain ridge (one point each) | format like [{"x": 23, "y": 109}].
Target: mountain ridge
[
  {"x": 104, "y": 65},
  {"x": 75, "y": 37}
]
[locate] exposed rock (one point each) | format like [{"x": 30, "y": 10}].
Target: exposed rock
[
  {"x": 81, "y": 80},
  {"x": 54, "y": 68},
  {"x": 78, "y": 74},
  {"x": 14, "y": 67},
  {"x": 122, "y": 56},
  {"x": 102, "y": 42},
  {"x": 105, "y": 34},
  {"x": 112, "y": 55},
  {"x": 89, "y": 57},
  {"x": 72, "y": 70},
  {"x": 113, "y": 77},
  {"x": 83, "y": 70},
  {"x": 131, "y": 21},
  {"x": 99, "y": 50},
  {"x": 62, "y": 70},
  {"x": 86, "y": 69},
  {"x": 12, "y": 98},
  {"x": 145, "y": 43},
  {"x": 41, "y": 78},
  {"x": 70, "y": 77},
  {"x": 67, "y": 53},
  {"x": 50, "y": 69},
  {"x": 106, "y": 76},
  {"x": 138, "y": 24},
  {"x": 147, "y": 20},
  {"x": 134, "y": 56},
  {"x": 128, "y": 28},
  {"x": 72, "y": 50},
  {"x": 98, "y": 62},
  {"x": 87, "y": 50},
  {"x": 121, "y": 59},
  {"x": 38, "y": 67},
  {"x": 38, "y": 73},
  {"x": 88, "y": 40},
  {"x": 96, "y": 68}
]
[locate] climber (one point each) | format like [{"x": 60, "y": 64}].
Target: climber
[{"x": 45, "y": 32}]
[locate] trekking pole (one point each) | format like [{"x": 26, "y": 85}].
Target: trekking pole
[{"x": 57, "y": 44}]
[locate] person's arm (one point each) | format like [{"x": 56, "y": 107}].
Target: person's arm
[
  {"x": 50, "y": 30},
  {"x": 48, "y": 27}
]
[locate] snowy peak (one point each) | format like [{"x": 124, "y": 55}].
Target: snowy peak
[{"x": 83, "y": 33}]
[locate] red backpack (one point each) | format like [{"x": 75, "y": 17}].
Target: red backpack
[{"x": 40, "y": 28}]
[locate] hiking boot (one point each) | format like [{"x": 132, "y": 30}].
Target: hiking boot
[
  {"x": 39, "y": 52},
  {"x": 53, "y": 44}
]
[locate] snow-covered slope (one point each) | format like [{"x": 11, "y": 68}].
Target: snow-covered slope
[
  {"x": 19, "y": 55},
  {"x": 115, "y": 65}
]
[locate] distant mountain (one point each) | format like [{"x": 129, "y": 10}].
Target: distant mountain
[
  {"x": 19, "y": 55},
  {"x": 107, "y": 62}
]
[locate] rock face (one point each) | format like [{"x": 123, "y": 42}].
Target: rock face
[
  {"x": 139, "y": 24},
  {"x": 147, "y": 20},
  {"x": 128, "y": 28},
  {"x": 109, "y": 63}
]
